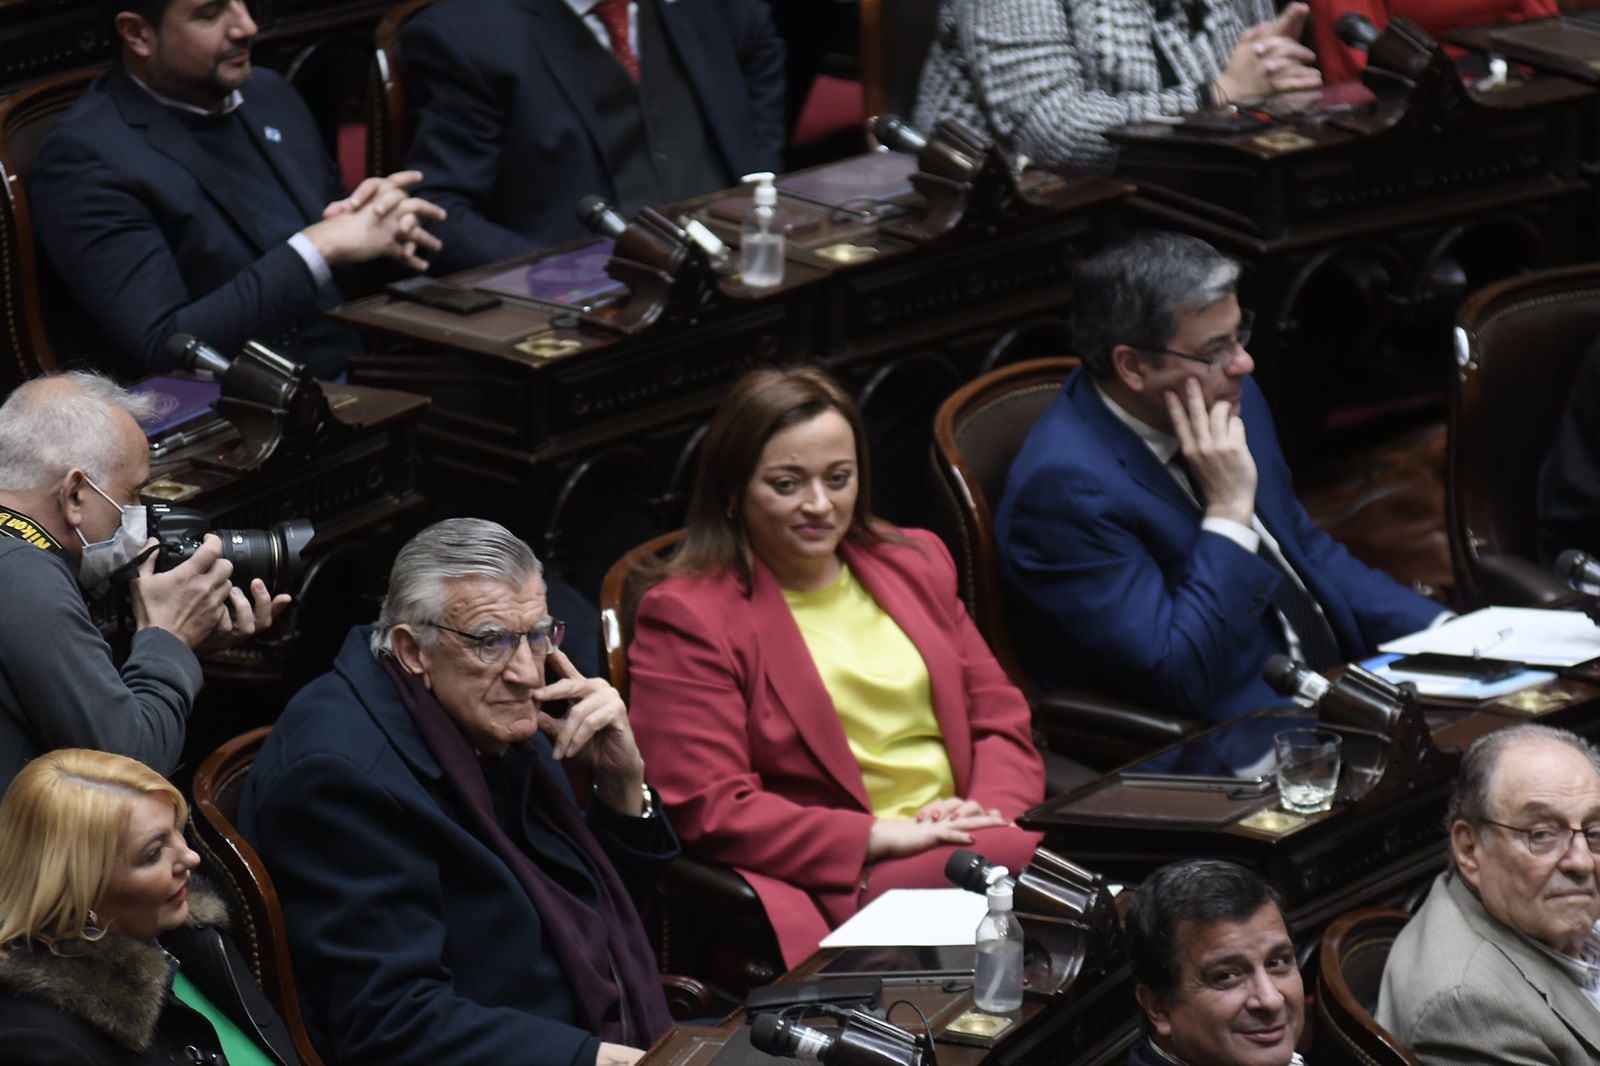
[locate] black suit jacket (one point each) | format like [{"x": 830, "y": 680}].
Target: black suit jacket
[
  {"x": 146, "y": 231},
  {"x": 504, "y": 128}
]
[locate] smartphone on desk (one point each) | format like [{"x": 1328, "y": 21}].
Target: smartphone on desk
[{"x": 1483, "y": 671}]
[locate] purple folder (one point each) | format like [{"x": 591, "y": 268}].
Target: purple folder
[
  {"x": 572, "y": 278},
  {"x": 178, "y": 400}
]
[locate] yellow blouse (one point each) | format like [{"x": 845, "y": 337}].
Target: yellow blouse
[{"x": 879, "y": 686}]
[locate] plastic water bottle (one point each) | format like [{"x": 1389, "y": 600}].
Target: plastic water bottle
[
  {"x": 761, "y": 244},
  {"x": 997, "y": 975}
]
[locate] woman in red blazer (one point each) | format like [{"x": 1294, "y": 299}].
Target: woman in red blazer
[{"x": 742, "y": 737}]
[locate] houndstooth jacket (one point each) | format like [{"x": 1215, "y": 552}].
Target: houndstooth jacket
[{"x": 1045, "y": 77}]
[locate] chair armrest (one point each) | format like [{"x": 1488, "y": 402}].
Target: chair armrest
[
  {"x": 708, "y": 881},
  {"x": 1079, "y": 711},
  {"x": 1514, "y": 581},
  {"x": 687, "y": 999}
]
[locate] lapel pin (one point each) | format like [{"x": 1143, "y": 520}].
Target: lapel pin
[{"x": 272, "y": 134}]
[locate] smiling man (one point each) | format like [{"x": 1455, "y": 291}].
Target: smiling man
[
  {"x": 1215, "y": 969},
  {"x": 186, "y": 192},
  {"x": 1149, "y": 535},
  {"x": 1502, "y": 963},
  {"x": 445, "y": 899}
]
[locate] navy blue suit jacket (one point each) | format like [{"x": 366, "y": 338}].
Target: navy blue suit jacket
[
  {"x": 413, "y": 942},
  {"x": 504, "y": 128},
  {"x": 1113, "y": 584},
  {"x": 146, "y": 231}
]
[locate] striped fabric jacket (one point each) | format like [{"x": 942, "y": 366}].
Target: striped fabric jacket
[{"x": 1046, "y": 77}]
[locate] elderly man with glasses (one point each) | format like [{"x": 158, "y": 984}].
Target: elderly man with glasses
[
  {"x": 1502, "y": 963},
  {"x": 446, "y": 899},
  {"x": 1149, "y": 536}
]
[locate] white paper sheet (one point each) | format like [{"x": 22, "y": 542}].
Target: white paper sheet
[
  {"x": 1518, "y": 634},
  {"x": 913, "y": 917}
]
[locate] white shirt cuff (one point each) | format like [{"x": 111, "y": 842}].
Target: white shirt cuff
[
  {"x": 321, "y": 273},
  {"x": 1243, "y": 536}
]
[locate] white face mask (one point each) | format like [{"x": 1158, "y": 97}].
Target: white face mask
[{"x": 104, "y": 558}]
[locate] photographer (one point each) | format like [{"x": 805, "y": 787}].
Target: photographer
[{"x": 72, "y": 459}]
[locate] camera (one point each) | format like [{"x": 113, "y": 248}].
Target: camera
[{"x": 273, "y": 555}]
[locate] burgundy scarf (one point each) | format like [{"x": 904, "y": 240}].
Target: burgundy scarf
[{"x": 596, "y": 956}]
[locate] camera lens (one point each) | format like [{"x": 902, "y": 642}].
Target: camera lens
[{"x": 273, "y": 555}]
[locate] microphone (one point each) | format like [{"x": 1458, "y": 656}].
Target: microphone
[
  {"x": 878, "y": 1045},
  {"x": 195, "y": 355},
  {"x": 1578, "y": 568},
  {"x": 1296, "y": 680},
  {"x": 971, "y": 871},
  {"x": 1357, "y": 31},
  {"x": 894, "y": 133},
  {"x": 599, "y": 216}
]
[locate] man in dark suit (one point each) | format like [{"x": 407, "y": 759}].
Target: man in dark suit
[
  {"x": 446, "y": 901},
  {"x": 181, "y": 194},
  {"x": 525, "y": 106},
  {"x": 1149, "y": 535}
]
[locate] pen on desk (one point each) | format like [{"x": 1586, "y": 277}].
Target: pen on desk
[
  {"x": 1500, "y": 638},
  {"x": 188, "y": 437}
]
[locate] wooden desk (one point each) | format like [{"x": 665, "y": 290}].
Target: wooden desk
[
  {"x": 1094, "y": 1027},
  {"x": 1358, "y": 248},
  {"x": 1324, "y": 864},
  {"x": 585, "y": 440}
]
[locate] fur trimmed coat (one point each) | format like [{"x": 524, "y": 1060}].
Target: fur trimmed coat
[{"x": 108, "y": 1002}]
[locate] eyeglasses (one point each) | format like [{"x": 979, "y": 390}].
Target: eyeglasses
[
  {"x": 1218, "y": 353},
  {"x": 495, "y": 646},
  {"x": 1547, "y": 840}
]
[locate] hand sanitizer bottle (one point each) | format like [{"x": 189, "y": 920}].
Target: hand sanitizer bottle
[
  {"x": 760, "y": 240},
  {"x": 997, "y": 976}
]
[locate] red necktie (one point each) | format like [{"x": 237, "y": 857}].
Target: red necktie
[{"x": 614, "y": 14}]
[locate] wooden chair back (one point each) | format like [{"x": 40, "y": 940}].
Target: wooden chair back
[
  {"x": 390, "y": 134},
  {"x": 1354, "y": 950},
  {"x": 1519, "y": 344},
  {"x": 28, "y": 284},
  {"x": 252, "y": 900}
]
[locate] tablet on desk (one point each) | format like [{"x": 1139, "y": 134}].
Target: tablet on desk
[{"x": 1235, "y": 759}]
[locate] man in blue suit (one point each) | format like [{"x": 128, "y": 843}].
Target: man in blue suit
[
  {"x": 446, "y": 900},
  {"x": 525, "y": 106},
  {"x": 182, "y": 195},
  {"x": 1149, "y": 535}
]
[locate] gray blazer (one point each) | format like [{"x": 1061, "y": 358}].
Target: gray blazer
[
  {"x": 1046, "y": 77},
  {"x": 1460, "y": 987}
]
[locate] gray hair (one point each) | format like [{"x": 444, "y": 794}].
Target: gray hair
[
  {"x": 1470, "y": 800},
  {"x": 1130, "y": 292},
  {"x": 454, "y": 548},
  {"x": 47, "y": 429}
]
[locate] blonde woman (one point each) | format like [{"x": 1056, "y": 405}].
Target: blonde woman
[{"x": 110, "y": 953}]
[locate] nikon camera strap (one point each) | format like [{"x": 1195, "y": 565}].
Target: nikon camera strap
[{"x": 14, "y": 525}]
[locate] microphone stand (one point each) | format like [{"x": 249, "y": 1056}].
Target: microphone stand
[
  {"x": 275, "y": 404},
  {"x": 968, "y": 182},
  {"x": 1415, "y": 82},
  {"x": 666, "y": 272}
]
